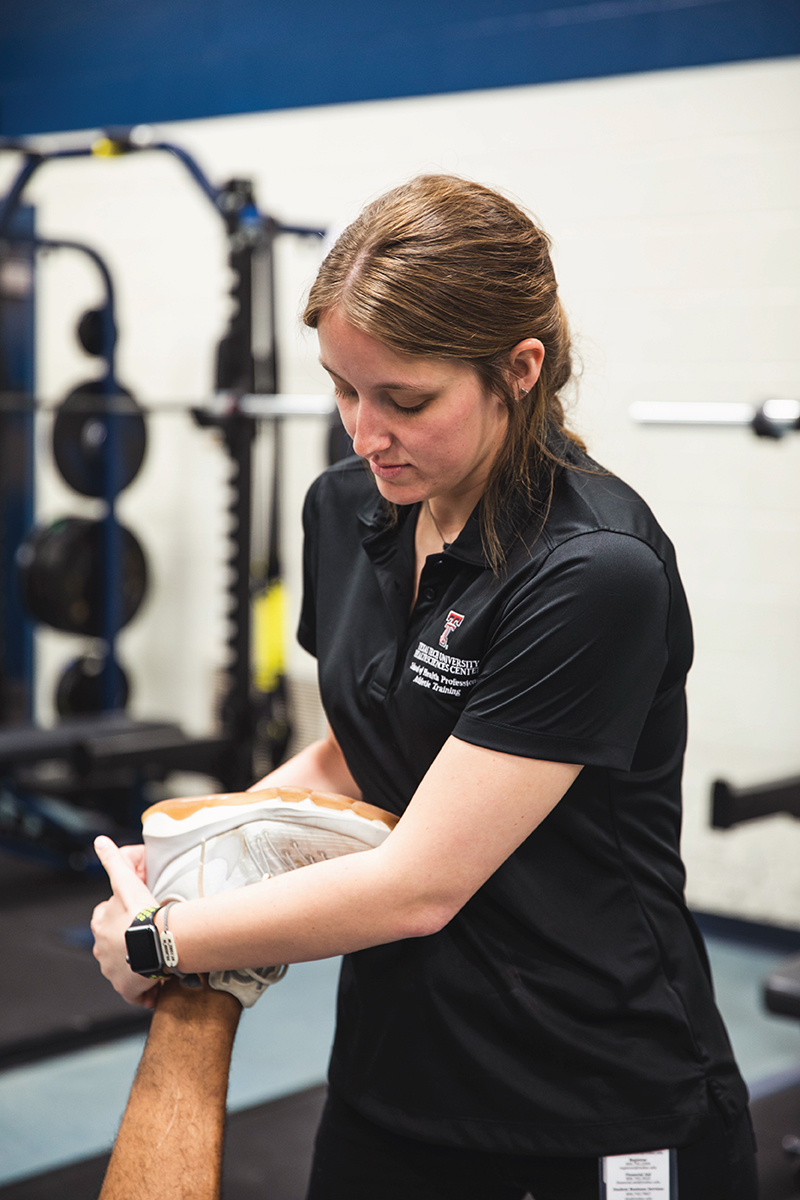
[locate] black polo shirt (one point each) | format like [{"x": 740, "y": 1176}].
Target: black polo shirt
[{"x": 567, "y": 1008}]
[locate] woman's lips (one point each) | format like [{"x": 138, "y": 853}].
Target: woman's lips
[{"x": 388, "y": 470}]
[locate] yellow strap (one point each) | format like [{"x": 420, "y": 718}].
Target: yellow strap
[
  {"x": 105, "y": 148},
  {"x": 148, "y": 912},
  {"x": 269, "y": 624}
]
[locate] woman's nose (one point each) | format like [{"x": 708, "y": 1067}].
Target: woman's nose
[{"x": 370, "y": 434}]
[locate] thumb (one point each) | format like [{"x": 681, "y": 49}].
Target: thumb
[{"x": 126, "y": 884}]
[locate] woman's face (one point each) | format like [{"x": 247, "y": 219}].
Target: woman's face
[{"x": 426, "y": 426}]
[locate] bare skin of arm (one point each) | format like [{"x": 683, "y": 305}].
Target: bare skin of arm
[
  {"x": 320, "y": 766},
  {"x": 170, "y": 1141},
  {"x": 471, "y": 811}
]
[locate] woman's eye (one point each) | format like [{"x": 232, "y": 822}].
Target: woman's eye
[
  {"x": 349, "y": 396},
  {"x": 412, "y": 408}
]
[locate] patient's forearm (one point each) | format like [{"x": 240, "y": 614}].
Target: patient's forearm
[{"x": 170, "y": 1141}]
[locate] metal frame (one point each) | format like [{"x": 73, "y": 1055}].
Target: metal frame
[{"x": 246, "y": 377}]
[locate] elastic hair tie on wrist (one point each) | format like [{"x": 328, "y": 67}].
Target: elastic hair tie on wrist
[{"x": 168, "y": 944}]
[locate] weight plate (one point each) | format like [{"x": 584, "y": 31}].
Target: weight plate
[
  {"x": 80, "y": 689},
  {"x": 90, "y": 331},
  {"x": 61, "y": 575},
  {"x": 80, "y": 438}
]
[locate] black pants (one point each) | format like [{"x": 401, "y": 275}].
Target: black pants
[{"x": 354, "y": 1159}]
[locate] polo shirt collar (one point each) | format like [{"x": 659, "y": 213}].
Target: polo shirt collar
[
  {"x": 381, "y": 533},
  {"x": 468, "y": 547}
]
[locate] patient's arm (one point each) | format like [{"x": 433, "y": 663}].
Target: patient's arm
[{"x": 169, "y": 1144}]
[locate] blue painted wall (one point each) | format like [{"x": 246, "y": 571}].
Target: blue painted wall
[{"x": 87, "y": 63}]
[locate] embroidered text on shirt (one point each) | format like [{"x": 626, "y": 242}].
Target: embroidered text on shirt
[{"x": 450, "y": 676}]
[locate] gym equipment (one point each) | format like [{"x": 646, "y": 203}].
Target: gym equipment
[
  {"x": 782, "y": 989},
  {"x": 105, "y": 434},
  {"x": 731, "y": 806},
  {"x": 80, "y": 688},
  {"x": 17, "y": 483},
  {"x": 102, "y": 328},
  {"x": 772, "y": 419},
  {"x": 97, "y": 765},
  {"x": 273, "y": 730},
  {"x": 90, "y": 332},
  {"x": 108, "y": 738},
  {"x": 80, "y": 437},
  {"x": 58, "y": 830},
  {"x": 62, "y": 569},
  {"x": 99, "y": 444}
]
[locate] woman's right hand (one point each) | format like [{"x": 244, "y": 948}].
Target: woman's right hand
[
  {"x": 136, "y": 859},
  {"x": 111, "y": 918}
]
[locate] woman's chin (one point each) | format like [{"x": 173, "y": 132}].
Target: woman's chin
[{"x": 399, "y": 492}]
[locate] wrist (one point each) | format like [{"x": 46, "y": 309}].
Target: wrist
[
  {"x": 151, "y": 947},
  {"x": 169, "y": 946},
  {"x": 215, "y": 1008},
  {"x": 167, "y": 938}
]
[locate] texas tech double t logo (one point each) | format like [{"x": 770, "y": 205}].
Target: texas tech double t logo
[{"x": 452, "y": 621}]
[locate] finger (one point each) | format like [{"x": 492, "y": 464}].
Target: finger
[
  {"x": 135, "y": 858},
  {"x": 97, "y": 916},
  {"x": 123, "y": 879}
]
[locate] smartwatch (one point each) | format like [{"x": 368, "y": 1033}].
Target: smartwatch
[{"x": 150, "y": 953}]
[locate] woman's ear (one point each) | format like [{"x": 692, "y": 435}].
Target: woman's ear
[{"x": 525, "y": 360}]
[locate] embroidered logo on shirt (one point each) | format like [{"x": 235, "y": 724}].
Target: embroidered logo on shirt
[
  {"x": 443, "y": 673},
  {"x": 452, "y": 622}
]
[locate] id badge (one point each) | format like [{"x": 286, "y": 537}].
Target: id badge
[{"x": 652, "y": 1175}]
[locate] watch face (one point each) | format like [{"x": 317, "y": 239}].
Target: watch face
[{"x": 144, "y": 954}]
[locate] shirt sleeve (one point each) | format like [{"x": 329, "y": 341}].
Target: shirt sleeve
[
  {"x": 576, "y": 657},
  {"x": 307, "y": 625}
]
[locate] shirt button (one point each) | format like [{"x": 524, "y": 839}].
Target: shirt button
[{"x": 429, "y": 593}]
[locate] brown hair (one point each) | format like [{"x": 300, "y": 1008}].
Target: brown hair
[{"x": 446, "y": 268}]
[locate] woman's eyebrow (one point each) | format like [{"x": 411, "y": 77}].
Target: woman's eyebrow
[{"x": 393, "y": 387}]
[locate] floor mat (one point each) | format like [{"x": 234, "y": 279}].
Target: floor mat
[
  {"x": 52, "y": 995},
  {"x": 267, "y": 1153}
]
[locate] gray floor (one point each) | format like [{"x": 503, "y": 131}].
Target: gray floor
[{"x": 68, "y": 1108}]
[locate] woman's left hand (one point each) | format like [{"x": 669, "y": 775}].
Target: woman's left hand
[{"x": 111, "y": 918}]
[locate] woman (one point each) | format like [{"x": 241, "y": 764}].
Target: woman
[{"x": 503, "y": 642}]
